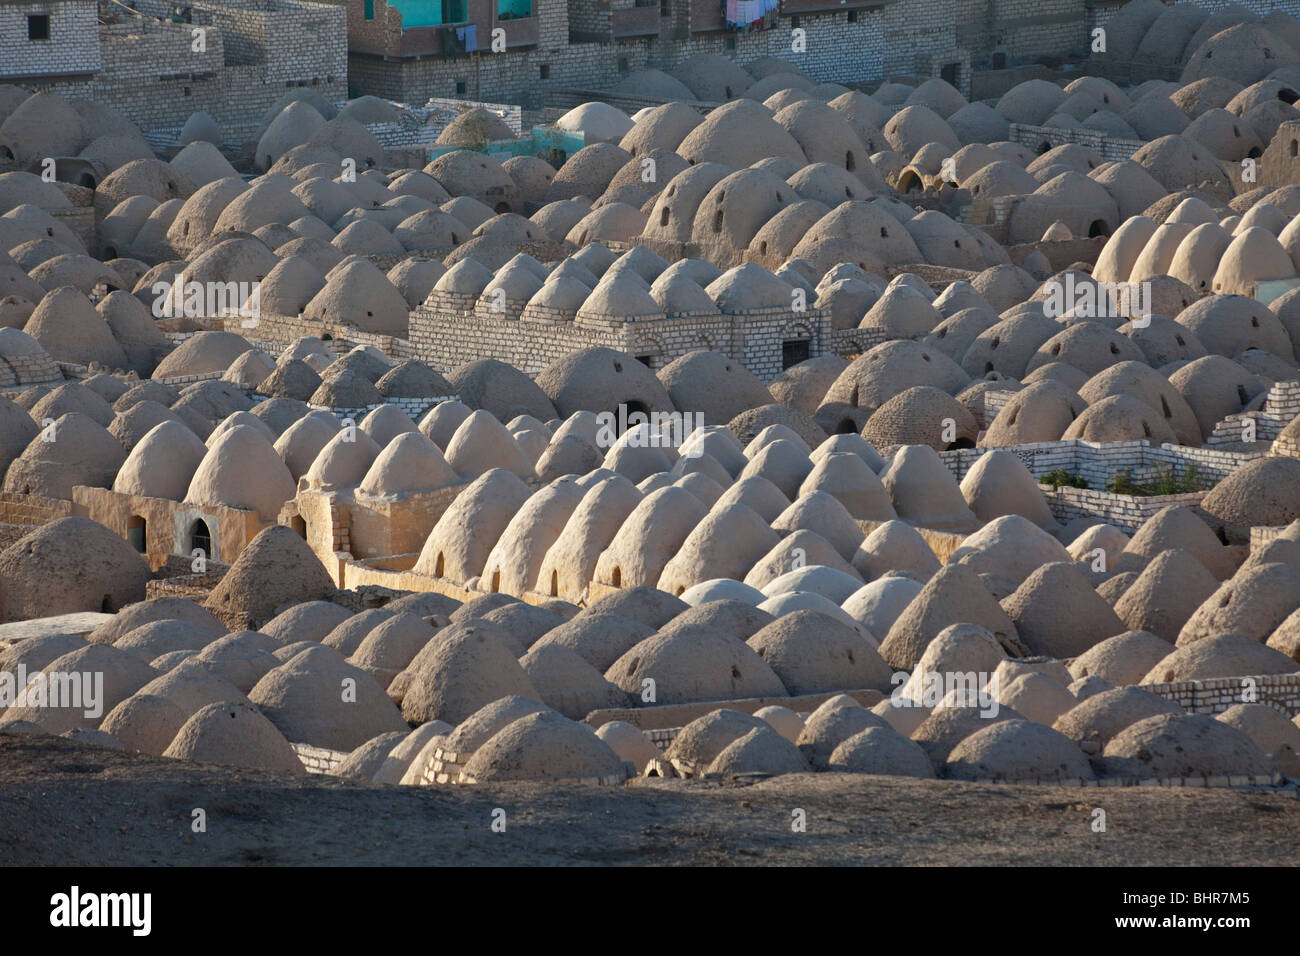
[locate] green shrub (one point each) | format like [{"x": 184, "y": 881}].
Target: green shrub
[
  {"x": 1061, "y": 477},
  {"x": 1166, "y": 481}
]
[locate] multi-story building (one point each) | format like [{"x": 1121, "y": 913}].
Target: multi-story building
[
  {"x": 159, "y": 62},
  {"x": 409, "y": 49}
]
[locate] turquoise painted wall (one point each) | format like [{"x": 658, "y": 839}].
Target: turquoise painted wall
[
  {"x": 429, "y": 13},
  {"x": 419, "y": 13},
  {"x": 515, "y": 9}
]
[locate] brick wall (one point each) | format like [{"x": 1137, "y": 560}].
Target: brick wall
[
  {"x": 255, "y": 51},
  {"x": 73, "y": 46},
  {"x": 446, "y": 337}
]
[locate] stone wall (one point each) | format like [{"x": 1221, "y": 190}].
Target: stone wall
[
  {"x": 1125, "y": 512},
  {"x": 20, "y": 515},
  {"x": 318, "y": 760},
  {"x": 1218, "y": 694},
  {"x": 446, "y": 339},
  {"x": 1098, "y": 463},
  {"x": 1281, "y": 407},
  {"x": 1110, "y": 148},
  {"x": 20, "y": 372}
]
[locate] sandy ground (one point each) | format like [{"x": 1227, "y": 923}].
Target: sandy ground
[{"x": 71, "y": 804}]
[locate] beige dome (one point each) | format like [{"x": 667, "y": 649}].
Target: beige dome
[
  {"x": 275, "y": 568},
  {"x": 1057, "y": 613},
  {"x": 459, "y": 544},
  {"x": 69, "y": 565},
  {"x": 409, "y": 462},
  {"x": 162, "y": 464},
  {"x": 953, "y": 595},
  {"x": 696, "y": 664},
  {"x": 301, "y": 697}
]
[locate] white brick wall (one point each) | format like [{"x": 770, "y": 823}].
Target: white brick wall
[{"x": 73, "y": 46}]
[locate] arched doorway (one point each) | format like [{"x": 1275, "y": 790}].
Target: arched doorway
[{"x": 201, "y": 538}]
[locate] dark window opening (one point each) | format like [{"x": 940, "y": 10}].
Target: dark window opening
[
  {"x": 999, "y": 61},
  {"x": 635, "y": 408},
  {"x": 1098, "y": 228},
  {"x": 370, "y": 9},
  {"x": 645, "y": 360},
  {"x": 38, "y": 26},
  {"x": 731, "y": 45},
  {"x": 135, "y": 533},
  {"x": 438, "y": 566},
  {"x": 959, "y": 443},
  {"x": 299, "y": 525},
  {"x": 853, "y": 16},
  {"x": 622, "y": 64},
  {"x": 460, "y": 87},
  {"x": 1288, "y": 95},
  {"x": 617, "y": 579},
  {"x": 949, "y": 73},
  {"x": 849, "y": 161},
  {"x": 496, "y": 581},
  {"x": 847, "y": 426},
  {"x": 794, "y": 351},
  {"x": 545, "y": 71},
  {"x": 555, "y": 584},
  {"x": 201, "y": 538}
]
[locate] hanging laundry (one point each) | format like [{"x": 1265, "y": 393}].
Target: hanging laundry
[{"x": 468, "y": 36}]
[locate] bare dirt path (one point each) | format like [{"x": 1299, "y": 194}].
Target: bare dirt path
[{"x": 71, "y": 804}]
